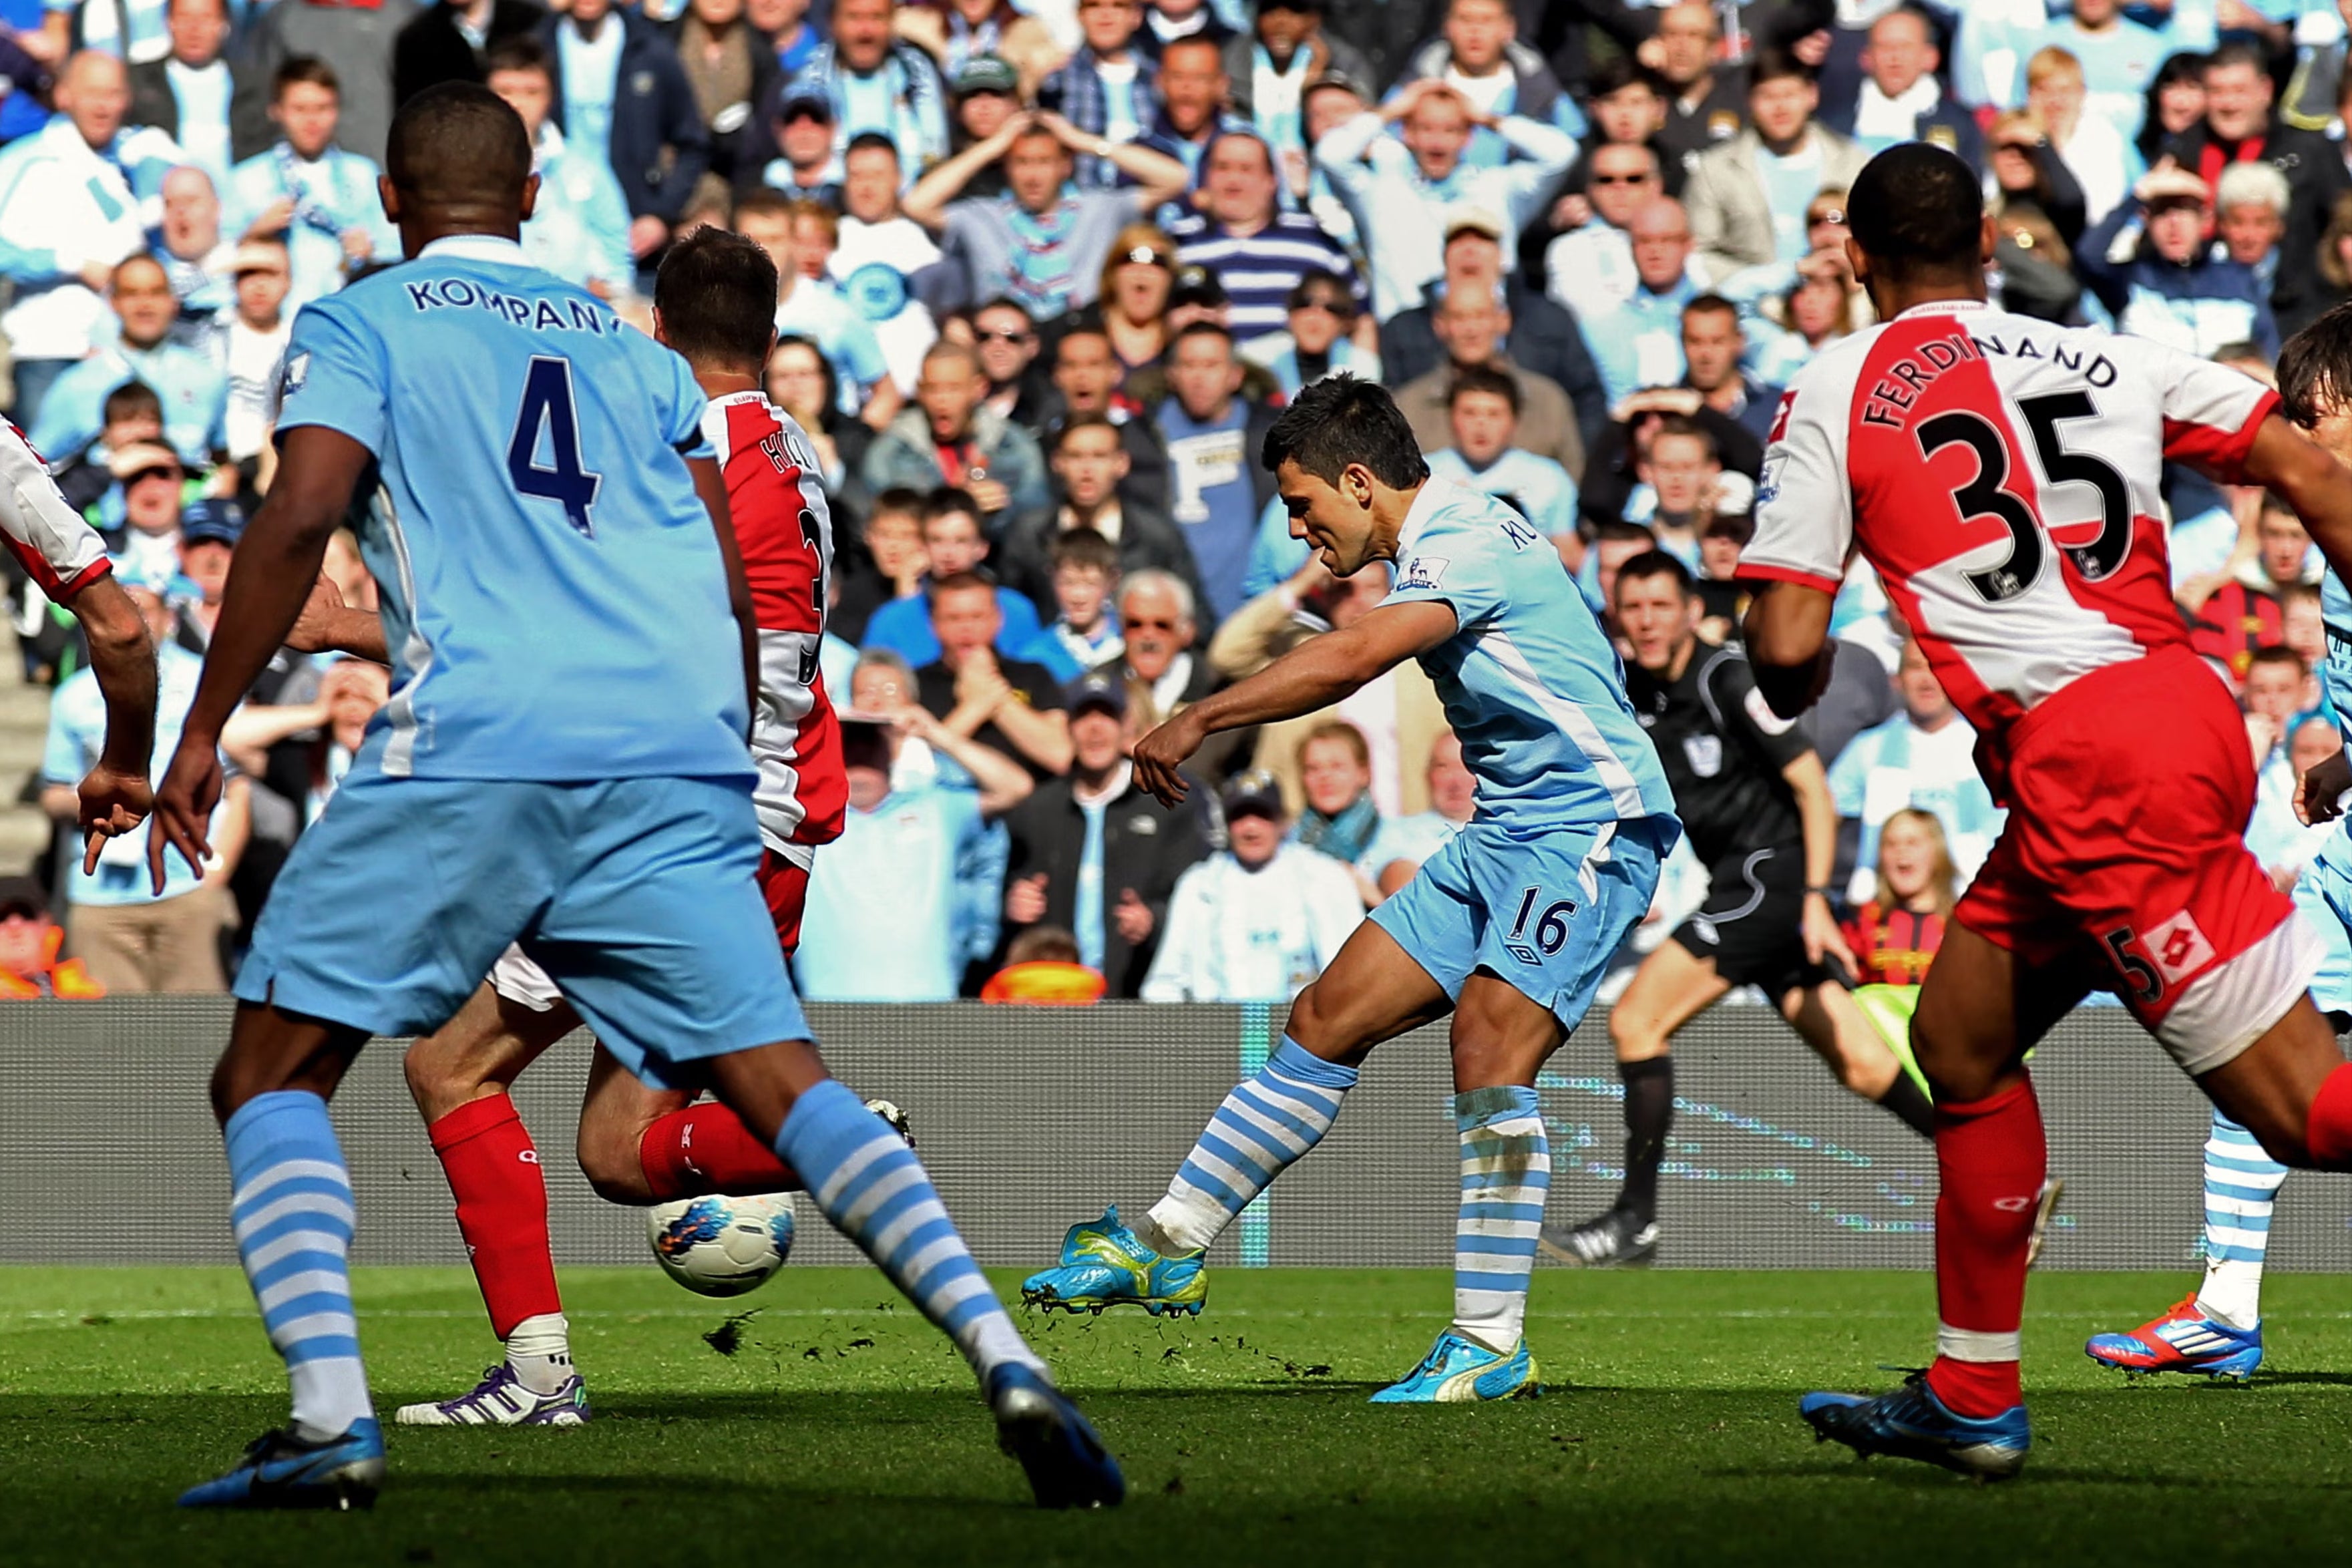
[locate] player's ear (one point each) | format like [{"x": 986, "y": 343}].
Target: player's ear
[
  {"x": 390, "y": 198},
  {"x": 660, "y": 336},
  {"x": 530, "y": 197},
  {"x": 1987, "y": 239}
]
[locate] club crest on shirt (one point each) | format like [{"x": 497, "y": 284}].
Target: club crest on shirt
[
  {"x": 298, "y": 371},
  {"x": 1772, "y": 724},
  {"x": 1423, "y": 571},
  {"x": 1705, "y": 755}
]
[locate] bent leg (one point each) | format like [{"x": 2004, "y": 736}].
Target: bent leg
[
  {"x": 639, "y": 1144},
  {"x": 458, "y": 1076},
  {"x": 1374, "y": 991},
  {"x": 1673, "y": 987},
  {"x": 2289, "y": 1089},
  {"x": 1829, "y": 1020}
]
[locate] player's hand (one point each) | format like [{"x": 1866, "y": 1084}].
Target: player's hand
[
  {"x": 184, "y": 807},
  {"x": 1158, "y": 754},
  {"x": 1822, "y": 938},
  {"x": 1132, "y": 918},
  {"x": 314, "y": 627},
  {"x": 113, "y": 803},
  {"x": 1024, "y": 900},
  {"x": 2320, "y": 794},
  {"x": 1812, "y": 49}
]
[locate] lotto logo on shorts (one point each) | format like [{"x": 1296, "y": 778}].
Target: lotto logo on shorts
[{"x": 2178, "y": 948}]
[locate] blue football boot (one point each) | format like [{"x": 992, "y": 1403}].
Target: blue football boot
[
  {"x": 1461, "y": 1371},
  {"x": 2183, "y": 1340},
  {"x": 1911, "y": 1423},
  {"x": 1067, "y": 1463},
  {"x": 282, "y": 1470},
  {"x": 1104, "y": 1264}
]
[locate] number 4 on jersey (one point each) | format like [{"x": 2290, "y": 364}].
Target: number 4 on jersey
[{"x": 547, "y": 404}]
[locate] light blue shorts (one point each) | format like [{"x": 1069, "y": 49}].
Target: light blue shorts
[
  {"x": 2322, "y": 896},
  {"x": 639, "y": 896},
  {"x": 1544, "y": 910}
]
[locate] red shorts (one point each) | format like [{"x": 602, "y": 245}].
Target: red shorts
[
  {"x": 2129, "y": 793},
  {"x": 784, "y": 886}
]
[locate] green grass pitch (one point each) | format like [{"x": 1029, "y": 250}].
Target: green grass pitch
[{"x": 841, "y": 1429}]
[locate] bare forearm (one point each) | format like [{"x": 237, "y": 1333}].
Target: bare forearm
[
  {"x": 1817, "y": 813},
  {"x": 276, "y": 563},
  {"x": 927, "y": 201},
  {"x": 1003, "y": 783},
  {"x": 358, "y": 633},
  {"x": 122, "y": 658},
  {"x": 1788, "y": 645},
  {"x": 1308, "y": 680},
  {"x": 1043, "y": 738}
]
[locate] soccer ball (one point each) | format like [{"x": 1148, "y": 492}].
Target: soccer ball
[{"x": 721, "y": 1245}]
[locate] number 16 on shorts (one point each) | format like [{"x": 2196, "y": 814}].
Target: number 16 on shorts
[{"x": 1550, "y": 928}]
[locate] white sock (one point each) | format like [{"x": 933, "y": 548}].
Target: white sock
[
  {"x": 1505, "y": 1173},
  {"x": 2241, "y": 1183},
  {"x": 539, "y": 1351}
]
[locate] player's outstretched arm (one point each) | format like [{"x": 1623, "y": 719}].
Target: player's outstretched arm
[
  {"x": 276, "y": 569},
  {"x": 115, "y": 796},
  {"x": 327, "y": 624},
  {"x": 1789, "y": 644},
  {"x": 2285, "y": 459},
  {"x": 1309, "y": 677}
]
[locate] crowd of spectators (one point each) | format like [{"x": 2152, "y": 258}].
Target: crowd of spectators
[{"x": 1048, "y": 270}]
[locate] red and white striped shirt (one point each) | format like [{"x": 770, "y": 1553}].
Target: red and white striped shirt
[
  {"x": 2001, "y": 474},
  {"x": 58, "y": 550},
  {"x": 784, "y": 532}
]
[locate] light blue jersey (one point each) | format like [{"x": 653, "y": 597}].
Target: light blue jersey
[
  {"x": 1537, "y": 488},
  {"x": 553, "y": 594},
  {"x": 1530, "y": 684}
]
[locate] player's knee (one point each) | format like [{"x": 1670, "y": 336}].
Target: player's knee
[
  {"x": 1635, "y": 1039},
  {"x": 433, "y": 1082},
  {"x": 1308, "y": 1024},
  {"x": 608, "y": 1158}
]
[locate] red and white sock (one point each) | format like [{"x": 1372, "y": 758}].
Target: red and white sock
[
  {"x": 493, "y": 1170},
  {"x": 1993, "y": 1159},
  {"x": 706, "y": 1148}
]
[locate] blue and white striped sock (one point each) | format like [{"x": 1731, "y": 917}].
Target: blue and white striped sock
[
  {"x": 875, "y": 1191},
  {"x": 292, "y": 1212},
  {"x": 2241, "y": 1183},
  {"x": 1506, "y": 1177},
  {"x": 1264, "y": 1124}
]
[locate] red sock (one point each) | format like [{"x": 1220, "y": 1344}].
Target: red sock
[
  {"x": 2328, "y": 1132},
  {"x": 706, "y": 1148},
  {"x": 1993, "y": 1159},
  {"x": 493, "y": 1171}
]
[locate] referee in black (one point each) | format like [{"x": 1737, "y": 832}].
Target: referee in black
[{"x": 1755, "y": 803}]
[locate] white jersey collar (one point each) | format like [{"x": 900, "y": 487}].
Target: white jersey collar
[{"x": 475, "y": 247}]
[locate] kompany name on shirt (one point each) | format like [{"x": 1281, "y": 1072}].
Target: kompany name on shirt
[{"x": 539, "y": 315}]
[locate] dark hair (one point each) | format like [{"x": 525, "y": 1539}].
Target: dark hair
[
  {"x": 1684, "y": 425},
  {"x": 2185, "y": 66},
  {"x": 898, "y": 500},
  {"x": 131, "y": 397},
  {"x": 2277, "y": 653},
  {"x": 871, "y": 142},
  {"x": 1713, "y": 304},
  {"x": 1657, "y": 563},
  {"x": 1772, "y": 64},
  {"x": 1618, "y": 529},
  {"x": 1061, "y": 437},
  {"x": 523, "y": 52},
  {"x": 1483, "y": 378},
  {"x": 2314, "y": 369},
  {"x": 1243, "y": 133},
  {"x": 961, "y": 582},
  {"x": 716, "y": 296},
  {"x": 1737, "y": 526},
  {"x": 1341, "y": 420},
  {"x": 298, "y": 69},
  {"x": 458, "y": 141},
  {"x": 1917, "y": 212},
  {"x": 948, "y": 501},
  {"x": 2237, "y": 52},
  {"x": 1216, "y": 330},
  {"x": 831, "y": 407},
  {"x": 1084, "y": 547},
  {"x": 1617, "y": 73},
  {"x": 1001, "y": 302}
]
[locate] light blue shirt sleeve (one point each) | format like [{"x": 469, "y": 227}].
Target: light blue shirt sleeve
[
  {"x": 1851, "y": 773},
  {"x": 335, "y": 376},
  {"x": 1452, "y": 565}
]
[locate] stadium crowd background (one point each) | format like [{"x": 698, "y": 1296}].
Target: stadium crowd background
[{"x": 1048, "y": 271}]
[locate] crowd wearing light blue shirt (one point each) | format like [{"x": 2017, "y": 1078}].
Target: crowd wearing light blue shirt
[
  {"x": 77, "y": 737},
  {"x": 1640, "y": 343},
  {"x": 1537, "y": 487},
  {"x": 580, "y": 228},
  {"x": 187, "y": 382},
  {"x": 333, "y": 194},
  {"x": 884, "y": 917}
]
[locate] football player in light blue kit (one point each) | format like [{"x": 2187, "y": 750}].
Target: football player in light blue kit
[
  {"x": 2217, "y": 1329},
  {"x": 1507, "y": 928},
  {"x": 563, "y": 763}
]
